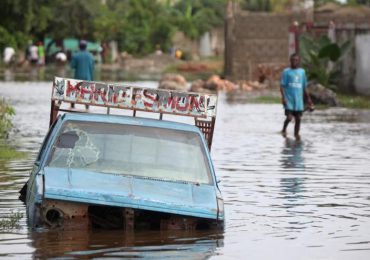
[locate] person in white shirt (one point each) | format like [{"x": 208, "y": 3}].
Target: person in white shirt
[
  {"x": 61, "y": 57},
  {"x": 34, "y": 56},
  {"x": 9, "y": 55}
]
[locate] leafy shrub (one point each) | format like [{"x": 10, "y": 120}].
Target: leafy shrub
[
  {"x": 317, "y": 54},
  {"x": 6, "y": 39},
  {"x": 6, "y": 113},
  {"x": 12, "y": 221}
]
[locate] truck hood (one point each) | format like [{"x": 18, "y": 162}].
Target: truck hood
[{"x": 127, "y": 191}]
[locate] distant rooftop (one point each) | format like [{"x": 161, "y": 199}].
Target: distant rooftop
[{"x": 340, "y": 10}]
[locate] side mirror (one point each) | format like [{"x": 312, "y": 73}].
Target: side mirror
[{"x": 67, "y": 140}]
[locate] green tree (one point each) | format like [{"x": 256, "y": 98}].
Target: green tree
[
  {"x": 24, "y": 19},
  {"x": 161, "y": 33},
  {"x": 137, "y": 25},
  {"x": 73, "y": 18},
  {"x": 109, "y": 21},
  {"x": 316, "y": 55},
  {"x": 16, "y": 15},
  {"x": 256, "y": 5},
  {"x": 6, "y": 39},
  {"x": 197, "y": 17}
]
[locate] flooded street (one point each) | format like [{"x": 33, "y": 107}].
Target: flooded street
[{"x": 284, "y": 199}]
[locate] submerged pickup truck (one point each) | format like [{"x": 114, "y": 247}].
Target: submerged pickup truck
[{"x": 119, "y": 171}]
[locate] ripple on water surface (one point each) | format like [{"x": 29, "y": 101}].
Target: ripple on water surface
[{"x": 284, "y": 199}]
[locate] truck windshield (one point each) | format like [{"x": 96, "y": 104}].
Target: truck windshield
[{"x": 141, "y": 151}]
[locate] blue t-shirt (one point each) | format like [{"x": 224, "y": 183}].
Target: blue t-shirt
[
  {"x": 83, "y": 63},
  {"x": 294, "y": 82}
]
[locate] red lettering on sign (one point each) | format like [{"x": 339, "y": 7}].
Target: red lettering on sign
[
  {"x": 102, "y": 93},
  {"x": 162, "y": 101},
  {"x": 194, "y": 103},
  {"x": 185, "y": 107},
  {"x": 85, "y": 90},
  {"x": 171, "y": 102},
  {"x": 150, "y": 99},
  {"x": 113, "y": 98},
  {"x": 71, "y": 88},
  {"x": 118, "y": 96}
]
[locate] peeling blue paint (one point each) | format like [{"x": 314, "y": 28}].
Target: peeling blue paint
[
  {"x": 83, "y": 186},
  {"x": 127, "y": 191}
]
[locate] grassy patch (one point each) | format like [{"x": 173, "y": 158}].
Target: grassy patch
[
  {"x": 11, "y": 221},
  {"x": 354, "y": 101},
  {"x": 267, "y": 99}
]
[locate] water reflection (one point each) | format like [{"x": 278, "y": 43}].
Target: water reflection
[
  {"x": 293, "y": 161},
  {"x": 61, "y": 71},
  {"x": 292, "y": 154},
  {"x": 8, "y": 74},
  {"x": 120, "y": 244}
]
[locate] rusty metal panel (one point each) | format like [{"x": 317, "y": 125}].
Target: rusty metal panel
[
  {"x": 179, "y": 223},
  {"x": 65, "y": 214},
  {"x": 207, "y": 128},
  {"x": 129, "y": 219}
]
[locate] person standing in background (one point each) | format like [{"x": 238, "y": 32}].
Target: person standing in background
[
  {"x": 34, "y": 54},
  {"x": 9, "y": 55},
  {"x": 293, "y": 88},
  {"x": 41, "y": 53},
  {"x": 83, "y": 63}
]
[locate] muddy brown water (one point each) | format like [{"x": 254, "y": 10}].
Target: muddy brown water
[{"x": 284, "y": 199}]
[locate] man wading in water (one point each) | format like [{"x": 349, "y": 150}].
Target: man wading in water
[
  {"x": 83, "y": 64},
  {"x": 292, "y": 87}
]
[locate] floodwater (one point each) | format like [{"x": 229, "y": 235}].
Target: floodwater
[{"x": 284, "y": 199}]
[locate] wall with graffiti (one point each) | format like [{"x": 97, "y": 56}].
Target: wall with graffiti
[{"x": 134, "y": 98}]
